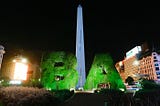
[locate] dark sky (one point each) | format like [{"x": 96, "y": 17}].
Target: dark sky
[{"x": 108, "y": 27}]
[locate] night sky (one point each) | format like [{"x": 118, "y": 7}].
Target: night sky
[{"x": 51, "y": 26}]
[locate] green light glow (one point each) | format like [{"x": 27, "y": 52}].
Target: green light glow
[
  {"x": 58, "y": 71},
  {"x": 103, "y": 71}
]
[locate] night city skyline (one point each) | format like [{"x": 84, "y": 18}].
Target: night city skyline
[{"x": 52, "y": 26}]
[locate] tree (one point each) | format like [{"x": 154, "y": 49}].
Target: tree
[
  {"x": 129, "y": 80},
  {"x": 149, "y": 84},
  {"x": 4, "y": 80}
]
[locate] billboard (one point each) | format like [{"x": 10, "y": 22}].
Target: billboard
[
  {"x": 133, "y": 51},
  {"x": 20, "y": 72}
]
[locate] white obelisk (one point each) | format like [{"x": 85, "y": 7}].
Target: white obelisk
[{"x": 80, "y": 55}]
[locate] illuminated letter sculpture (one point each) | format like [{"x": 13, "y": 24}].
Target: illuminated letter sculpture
[{"x": 80, "y": 49}]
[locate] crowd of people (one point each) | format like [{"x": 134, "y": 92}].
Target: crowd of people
[
  {"x": 26, "y": 96},
  {"x": 32, "y": 96}
]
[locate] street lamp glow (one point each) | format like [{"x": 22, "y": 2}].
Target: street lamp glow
[
  {"x": 136, "y": 63},
  {"x": 120, "y": 63},
  {"x": 24, "y": 60},
  {"x": 14, "y": 60}
]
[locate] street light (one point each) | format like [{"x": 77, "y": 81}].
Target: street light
[{"x": 136, "y": 63}]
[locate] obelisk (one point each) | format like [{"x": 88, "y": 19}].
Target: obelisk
[{"x": 80, "y": 54}]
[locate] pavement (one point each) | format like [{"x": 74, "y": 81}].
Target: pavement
[{"x": 85, "y": 99}]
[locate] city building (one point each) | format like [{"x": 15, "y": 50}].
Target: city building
[
  {"x": 140, "y": 62},
  {"x": 120, "y": 68},
  {"x": 130, "y": 65},
  {"x": 1, "y": 54}
]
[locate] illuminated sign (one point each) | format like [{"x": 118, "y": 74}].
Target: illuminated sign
[
  {"x": 20, "y": 72},
  {"x": 133, "y": 51},
  {"x": 15, "y": 82}
]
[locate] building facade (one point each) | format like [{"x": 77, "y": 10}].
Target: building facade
[
  {"x": 1, "y": 54},
  {"x": 140, "y": 65},
  {"x": 131, "y": 67}
]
